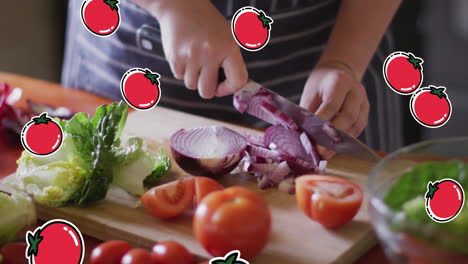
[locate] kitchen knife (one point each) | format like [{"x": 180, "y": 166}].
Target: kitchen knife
[{"x": 314, "y": 127}]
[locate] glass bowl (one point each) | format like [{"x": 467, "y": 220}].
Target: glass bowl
[{"x": 418, "y": 241}]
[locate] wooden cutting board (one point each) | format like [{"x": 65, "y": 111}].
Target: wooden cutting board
[{"x": 294, "y": 239}]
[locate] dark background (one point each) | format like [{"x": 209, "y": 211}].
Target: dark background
[{"x": 31, "y": 43}]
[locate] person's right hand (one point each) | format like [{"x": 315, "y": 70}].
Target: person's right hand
[{"x": 197, "y": 42}]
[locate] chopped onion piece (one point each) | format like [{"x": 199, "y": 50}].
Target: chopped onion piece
[
  {"x": 322, "y": 166},
  {"x": 298, "y": 165},
  {"x": 254, "y": 140},
  {"x": 262, "y": 152}
]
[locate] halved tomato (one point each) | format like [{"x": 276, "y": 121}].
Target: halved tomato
[
  {"x": 329, "y": 200},
  {"x": 204, "y": 186},
  {"x": 169, "y": 200}
]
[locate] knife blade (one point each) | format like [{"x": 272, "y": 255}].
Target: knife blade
[{"x": 314, "y": 127}]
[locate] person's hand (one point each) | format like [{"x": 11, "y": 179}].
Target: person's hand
[
  {"x": 197, "y": 41},
  {"x": 335, "y": 94}
]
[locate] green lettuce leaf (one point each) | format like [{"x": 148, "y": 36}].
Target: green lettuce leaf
[{"x": 17, "y": 212}]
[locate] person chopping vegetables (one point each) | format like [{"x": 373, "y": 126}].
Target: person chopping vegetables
[{"x": 325, "y": 55}]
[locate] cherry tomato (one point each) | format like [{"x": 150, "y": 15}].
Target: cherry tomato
[
  {"x": 204, "y": 186},
  {"x": 169, "y": 200},
  {"x": 13, "y": 253},
  {"x": 329, "y": 200},
  {"x": 170, "y": 252},
  {"x": 110, "y": 252},
  {"x": 137, "y": 256},
  {"x": 234, "y": 218}
]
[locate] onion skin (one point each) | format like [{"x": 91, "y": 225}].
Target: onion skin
[{"x": 212, "y": 167}]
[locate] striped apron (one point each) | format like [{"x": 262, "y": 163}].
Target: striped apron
[{"x": 299, "y": 34}]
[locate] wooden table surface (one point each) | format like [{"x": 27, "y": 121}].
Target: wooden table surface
[{"x": 76, "y": 100}]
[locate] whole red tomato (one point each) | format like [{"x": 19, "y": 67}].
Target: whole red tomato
[
  {"x": 57, "y": 241},
  {"x": 444, "y": 199},
  {"x": 137, "y": 256},
  {"x": 42, "y": 136},
  {"x": 171, "y": 252},
  {"x": 232, "y": 219},
  {"x": 403, "y": 72},
  {"x": 140, "y": 88},
  {"x": 110, "y": 252},
  {"x": 101, "y": 17},
  {"x": 430, "y": 106},
  {"x": 251, "y": 28}
]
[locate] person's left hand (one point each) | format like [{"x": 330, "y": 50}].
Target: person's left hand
[{"x": 335, "y": 94}]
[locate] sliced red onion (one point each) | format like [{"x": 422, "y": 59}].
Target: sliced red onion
[
  {"x": 280, "y": 173},
  {"x": 241, "y": 101},
  {"x": 243, "y": 97},
  {"x": 309, "y": 147},
  {"x": 279, "y": 117},
  {"x": 264, "y": 183},
  {"x": 254, "y": 140},
  {"x": 208, "y": 151},
  {"x": 10, "y": 118},
  {"x": 261, "y": 105},
  {"x": 262, "y": 152},
  {"x": 256, "y": 159},
  {"x": 277, "y": 170},
  {"x": 331, "y": 132},
  {"x": 298, "y": 165},
  {"x": 285, "y": 141},
  {"x": 261, "y": 167},
  {"x": 284, "y": 152}
]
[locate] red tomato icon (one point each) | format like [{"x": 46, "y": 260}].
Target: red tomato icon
[
  {"x": 42, "y": 136},
  {"x": 101, "y": 17},
  {"x": 403, "y": 72},
  {"x": 140, "y": 88},
  {"x": 251, "y": 28},
  {"x": 444, "y": 200},
  {"x": 430, "y": 106},
  {"x": 57, "y": 241}
]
